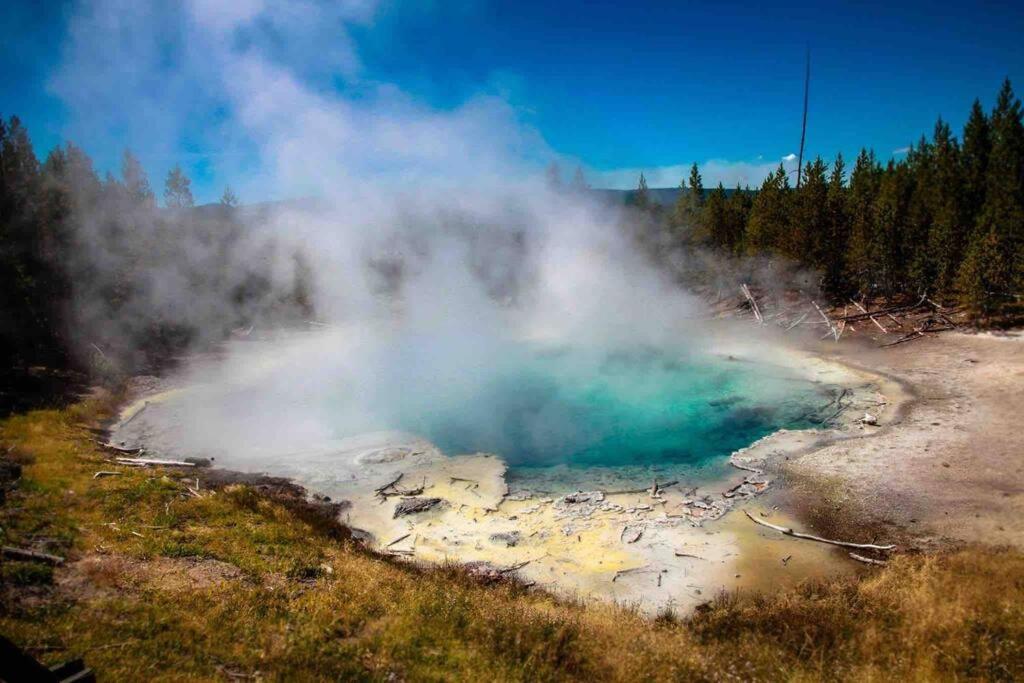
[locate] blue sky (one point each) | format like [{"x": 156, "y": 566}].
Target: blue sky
[{"x": 614, "y": 87}]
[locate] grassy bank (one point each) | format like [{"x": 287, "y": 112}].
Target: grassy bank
[{"x": 246, "y": 580}]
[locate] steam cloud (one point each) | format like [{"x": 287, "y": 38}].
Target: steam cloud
[{"x": 435, "y": 247}]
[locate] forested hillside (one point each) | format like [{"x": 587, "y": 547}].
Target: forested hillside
[
  {"x": 947, "y": 220},
  {"x": 95, "y": 275}
]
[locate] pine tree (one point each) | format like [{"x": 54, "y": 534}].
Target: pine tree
[
  {"x": 891, "y": 214},
  {"x": 949, "y": 228},
  {"x": 715, "y": 219},
  {"x": 178, "y": 190},
  {"x": 737, "y": 214},
  {"x": 135, "y": 181},
  {"x": 993, "y": 268},
  {"x": 806, "y": 235},
  {"x": 837, "y": 232},
  {"x": 768, "y": 224},
  {"x": 229, "y": 198},
  {"x": 642, "y": 197},
  {"x": 977, "y": 146},
  {"x": 686, "y": 215},
  {"x": 862, "y": 267},
  {"x": 920, "y": 262}
]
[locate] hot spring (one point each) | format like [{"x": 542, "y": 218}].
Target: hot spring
[{"x": 560, "y": 416}]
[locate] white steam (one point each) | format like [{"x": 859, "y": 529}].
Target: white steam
[{"x": 435, "y": 248}]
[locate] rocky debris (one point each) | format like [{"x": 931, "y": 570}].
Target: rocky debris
[
  {"x": 750, "y": 486},
  {"x": 580, "y": 497},
  {"x": 508, "y": 538},
  {"x": 411, "y": 506},
  {"x": 579, "y": 504}
]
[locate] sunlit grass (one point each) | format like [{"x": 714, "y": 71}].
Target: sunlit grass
[{"x": 179, "y": 587}]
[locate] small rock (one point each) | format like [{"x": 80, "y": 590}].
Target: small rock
[
  {"x": 509, "y": 538},
  {"x": 869, "y": 419}
]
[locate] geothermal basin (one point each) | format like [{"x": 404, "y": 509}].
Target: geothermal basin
[{"x": 593, "y": 471}]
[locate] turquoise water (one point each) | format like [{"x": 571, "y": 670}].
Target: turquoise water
[{"x": 641, "y": 411}]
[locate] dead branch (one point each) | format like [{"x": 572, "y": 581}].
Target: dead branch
[
  {"x": 891, "y": 309},
  {"x": 623, "y": 572},
  {"x": 871, "y": 316},
  {"x": 105, "y": 473},
  {"x": 398, "y": 540},
  {"x": 31, "y": 555},
  {"x": 695, "y": 557},
  {"x": 144, "y": 462},
  {"x": 868, "y": 560},
  {"x": 380, "y": 490},
  {"x": 753, "y": 303},
  {"x": 831, "y": 326},
  {"x": 514, "y": 567},
  {"x": 796, "y": 534}
]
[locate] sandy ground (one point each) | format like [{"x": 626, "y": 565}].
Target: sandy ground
[{"x": 951, "y": 467}]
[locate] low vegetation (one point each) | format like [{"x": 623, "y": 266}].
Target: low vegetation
[{"x": 239, "y": 582}]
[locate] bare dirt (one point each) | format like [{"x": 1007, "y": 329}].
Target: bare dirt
[{"x": 950, "y": 466}]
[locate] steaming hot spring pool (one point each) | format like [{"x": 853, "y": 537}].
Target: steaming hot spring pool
[
  {"x": 562, "y": 418},
  {"x": 568, "y": 414}
]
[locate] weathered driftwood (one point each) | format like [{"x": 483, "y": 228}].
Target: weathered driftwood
[
  {"x": 145, "y": 462},
  {"x": 31, "y": 555},
  {"x": 380, "y": 489},
  {"x": 831, "y": 326},
  {"x": 695, "y": 557},
  {"x": 398, "y": 540},
  {"x": 753, "y": 303},
  {"x": 871, "y": 316},
  {"x": 655, "y": 489},
  {"x": 633, "y": 570},
  {"x": 796, "y": 534},
  {"x": 868, "y": 560},
  {"x": 890, "y": 309}
]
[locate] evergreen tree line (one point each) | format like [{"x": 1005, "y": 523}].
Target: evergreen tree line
[
  {"x": 946, "y": 221},
  {"x": 95, "y": 275}
]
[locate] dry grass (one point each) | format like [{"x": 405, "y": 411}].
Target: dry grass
[{"x": 236, "y": 584}]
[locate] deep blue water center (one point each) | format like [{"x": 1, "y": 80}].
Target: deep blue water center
[{"x": 640, "y": 409}]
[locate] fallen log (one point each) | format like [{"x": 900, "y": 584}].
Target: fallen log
[
  {"x": 753, "y": 303},
  {"x": 871, "y": 317},
  {"x": 796, "y": 534},
  {"x": 145, "y": 462},
  {"x": 891, "y": 309},
  {"x": 831, "y": 326},
  {"x": 31, "y": 555}
]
